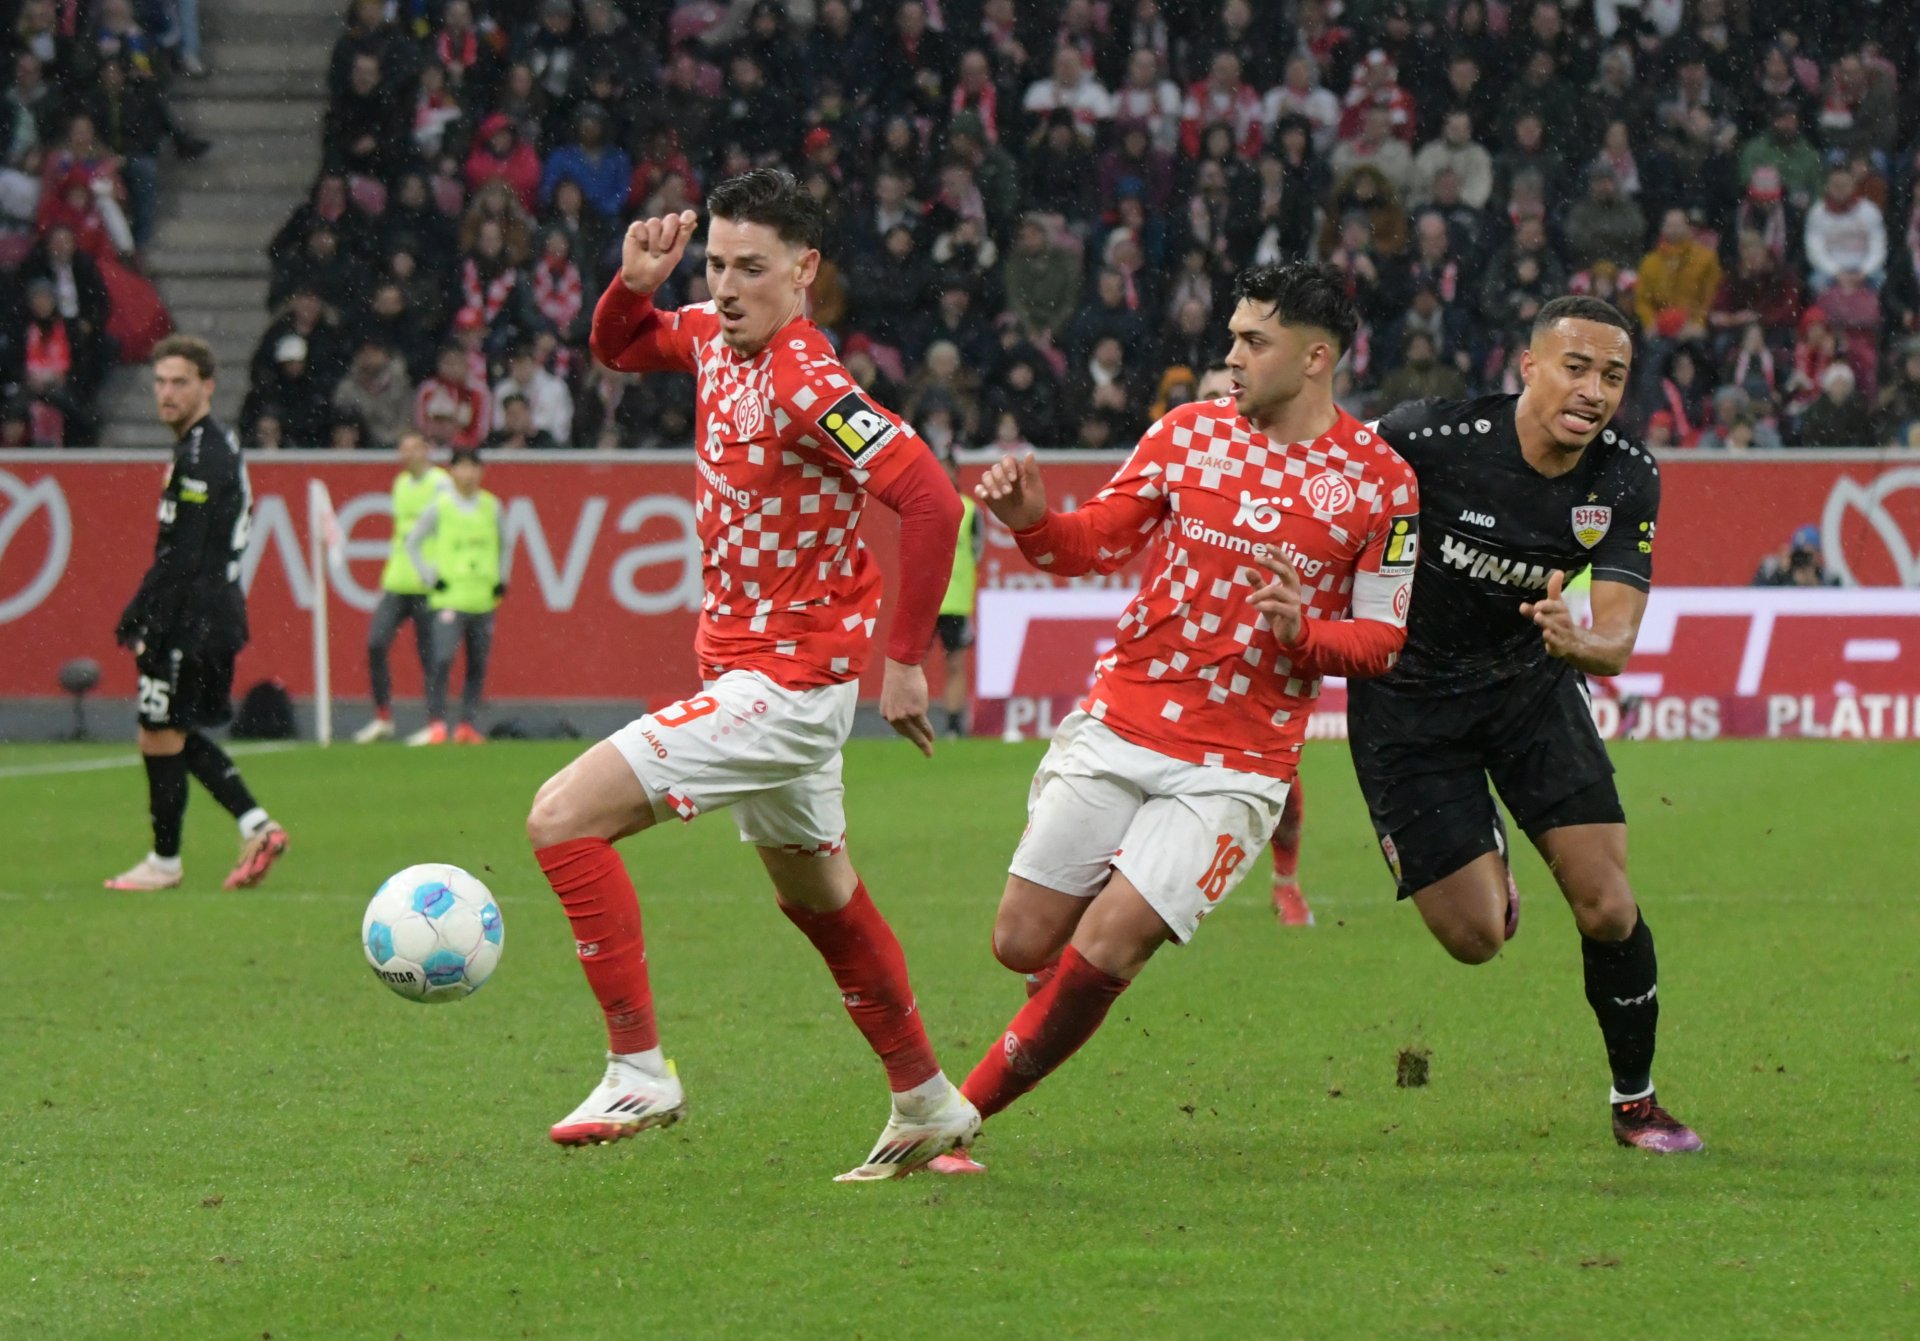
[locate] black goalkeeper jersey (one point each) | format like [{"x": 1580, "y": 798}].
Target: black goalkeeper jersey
[
  {"x": 1492, "y": 528},
  {"x": 190, "y": 599}
]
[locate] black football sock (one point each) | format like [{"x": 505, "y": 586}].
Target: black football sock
[
  {"x": 166, "y": 801},
  {"x": 217, "y": 774},
  {"x": 1621, "y": 978}
]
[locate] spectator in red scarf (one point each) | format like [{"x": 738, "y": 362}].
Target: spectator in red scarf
[
  {"x": 448, "y": 408},
  {"x": 557, "y": 292},
  {"x": 1222, "y": 96}
]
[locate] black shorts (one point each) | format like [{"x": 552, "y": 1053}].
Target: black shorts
[
  {"x": 954, "y": 631},
  {"x": 1423, "y": 761},
  {"x": 180, "y": 692}
]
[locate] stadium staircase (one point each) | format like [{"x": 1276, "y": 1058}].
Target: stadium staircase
[{"x": 262, "y": 107}]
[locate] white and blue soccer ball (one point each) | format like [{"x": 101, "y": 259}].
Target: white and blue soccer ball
[{"x": 433, "y": 933}]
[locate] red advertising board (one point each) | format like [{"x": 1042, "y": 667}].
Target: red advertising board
[
  {"x": 1711, "y": 662},
  {"x": 604, "y": 569}
]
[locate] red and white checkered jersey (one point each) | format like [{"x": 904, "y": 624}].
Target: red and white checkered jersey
[
  {"x": 788, "y": 447},
  {"x": 1195, "y": 672}
]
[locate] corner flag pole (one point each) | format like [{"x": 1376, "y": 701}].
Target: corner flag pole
[{"x": 324, "y": 543}]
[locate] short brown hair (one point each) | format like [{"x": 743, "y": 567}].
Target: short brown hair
[{"x": 189, "y": 347}]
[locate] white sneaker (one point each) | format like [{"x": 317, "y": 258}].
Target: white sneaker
[
  {"x": 433, "y": 733},
  {"x": 910, "y": 1143},
  {"x": 627, "y": 1101},
  {"x": 146, "y": 874},
  {"x": 380, "y": 728}
]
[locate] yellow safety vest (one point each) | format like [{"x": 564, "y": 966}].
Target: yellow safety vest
[
  {"x": 410, "y": 499},
  {"x": 466, "y": 546},
  {"x": 960, "y": 587}
]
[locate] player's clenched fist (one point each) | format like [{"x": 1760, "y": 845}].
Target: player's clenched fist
[
  {"x": 1012, "y": 491},
  {"x": 653, "y": 247},
  {"x": 1280, "y": 602},
  {"x": 1554, "y": 619}
]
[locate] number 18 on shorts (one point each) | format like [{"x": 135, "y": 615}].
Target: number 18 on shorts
[{"x": 1184, "y": 834}]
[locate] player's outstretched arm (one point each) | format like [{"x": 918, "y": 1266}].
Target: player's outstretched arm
[
  {"x": 628, "y": 332},
  {"x": 1098, "y": 537},
  {"x": 652, "y": 249},
  {"x": 1013, "y": 492},
  {"x": 917, "y": 489},
  {"x": 1602, "y": 649}
]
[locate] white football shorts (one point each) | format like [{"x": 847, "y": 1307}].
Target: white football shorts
[
  {"x": 772, "y": 754},
  {"x": 1183, "y": 833}
]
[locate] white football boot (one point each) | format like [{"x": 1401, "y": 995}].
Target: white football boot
[
  {"x": 380, "y": 728},
  {"x": 626, "y": 1102},
  {"x": 150, "y": 872},
  {"x": 910, "y": 1143}
]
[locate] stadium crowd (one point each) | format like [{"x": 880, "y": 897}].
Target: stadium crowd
[
  {"x": 83, "y": 122},
  {"x": 1037, "y": 208}
]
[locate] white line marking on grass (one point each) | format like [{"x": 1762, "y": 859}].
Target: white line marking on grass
[{"x": 128, "y": 761}]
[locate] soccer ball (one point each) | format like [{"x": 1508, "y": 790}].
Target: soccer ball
[{"x": 433, "y": 933}]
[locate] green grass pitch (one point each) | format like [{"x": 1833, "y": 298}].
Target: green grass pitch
[{"x": 215, "y": 1122}]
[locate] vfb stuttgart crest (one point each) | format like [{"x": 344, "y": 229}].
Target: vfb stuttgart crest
[{"x": 1590, "y": 523}]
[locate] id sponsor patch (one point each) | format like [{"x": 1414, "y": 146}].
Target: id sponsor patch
[
  {"x": 856, "y": 428},
  {"x": 1590, "y": 524},
  {"x": 1403, "y": 545}
]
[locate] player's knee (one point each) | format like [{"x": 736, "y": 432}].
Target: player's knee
[
  {"x": 1608, "y": 914},
  {"x": 1022, "y": 949},
  {"x": 1472, "y": 942},
  {"x": 551, "y": 819}
]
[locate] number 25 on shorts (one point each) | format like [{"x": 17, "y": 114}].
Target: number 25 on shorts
[
  {"x": 155, "y": 697},
  {"x": 1227, "y": 856}
]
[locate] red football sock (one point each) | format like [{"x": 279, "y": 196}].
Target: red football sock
[
  {"x": 1039, "y": 978},
  {"x": 871, "y": 969},
  {"x": 1286, "y": 838},
  {"x": 1049, "y": 1029},
  {"x": 593, "y": 886}
]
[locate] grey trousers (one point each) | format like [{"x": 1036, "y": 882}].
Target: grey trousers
[
  {"x": 393, "y": 611},
  {"x": 453, "y": 630}
]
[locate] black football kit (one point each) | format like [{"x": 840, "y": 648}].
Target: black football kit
[
  {"x": 1475, "y": 693},
  {"x": 189, "y": 619}
]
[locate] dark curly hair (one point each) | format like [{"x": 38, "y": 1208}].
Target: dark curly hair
[
  {"x": 774, "y": 197},
  {"x": 1579, "y": 307},
  {"x": 1301, "y": 293}
]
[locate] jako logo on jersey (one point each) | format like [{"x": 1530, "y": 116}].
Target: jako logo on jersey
[
  {"x": 1590, "y": 524},
  {"x": 1329, "y": 492},
  {"x": 1261, "y": 514},
  {"x": 1477, "y": 563},
  {"x": 857, "y": 428},
  {"x": 1477, "y": 518}
]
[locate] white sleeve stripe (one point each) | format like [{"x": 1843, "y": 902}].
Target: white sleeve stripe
[{"x": 1376, "y": 596}]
